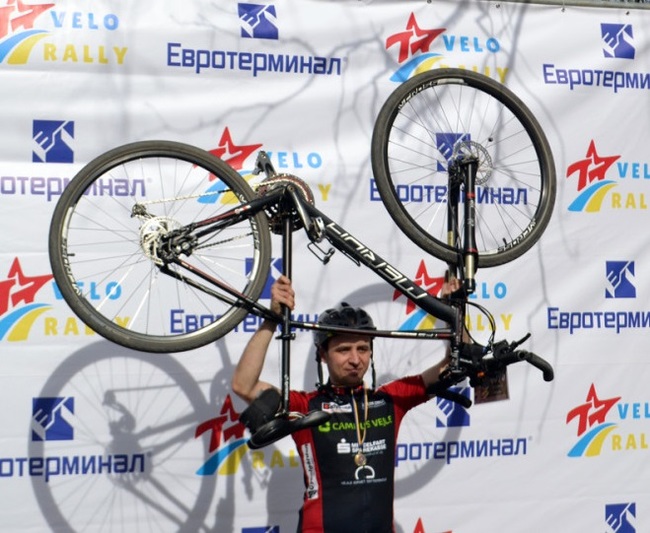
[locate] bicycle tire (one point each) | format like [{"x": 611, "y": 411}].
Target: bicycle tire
[
  {"x": 438, "y": 114},
  {"x": 104, "y": 259}
]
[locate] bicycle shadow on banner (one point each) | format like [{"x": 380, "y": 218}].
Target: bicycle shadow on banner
[{"x": 121, "y": 445}]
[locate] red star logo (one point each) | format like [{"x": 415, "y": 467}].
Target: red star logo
[
  {"x": 19, "y": 288},
  {"x": 592, "y": 168},
  {"x": 592, "y": 412},
  {"x": 17, "y": 14},
  {"x": 216, "y": 426},
  {"x": 232, "y": 154},
  {"x": 422, "y": 279},
  {"x": 413, "y": 39}
]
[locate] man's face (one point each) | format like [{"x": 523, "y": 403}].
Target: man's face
[{"x": 347, "y": 358}]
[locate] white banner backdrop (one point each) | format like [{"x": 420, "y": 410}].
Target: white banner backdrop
[{"x": 99, "y": 438}]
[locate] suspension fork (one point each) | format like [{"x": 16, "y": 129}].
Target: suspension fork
[
  {"x": 462, "y": 171},
  {"x": 469, "y": 167},
  {"x": 462, "y": 174}
]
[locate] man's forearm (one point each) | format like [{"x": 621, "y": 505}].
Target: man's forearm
[{"x": 246, "y": 379}]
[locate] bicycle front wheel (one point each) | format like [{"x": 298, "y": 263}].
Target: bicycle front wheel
[
  {"x": 106, "y": 237},
  {"x": 439, "y": 115}
]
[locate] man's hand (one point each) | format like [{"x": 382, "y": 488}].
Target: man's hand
[
  {"x": 449, "y": 286},
  {"x": 282, "y": 293}
]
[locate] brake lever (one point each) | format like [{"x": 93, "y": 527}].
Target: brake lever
[{"x": 504, "y": 354}]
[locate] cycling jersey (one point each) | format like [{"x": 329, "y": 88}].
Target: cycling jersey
[{"x": 342, "y": 496}]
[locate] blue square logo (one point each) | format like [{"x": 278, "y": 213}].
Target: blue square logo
[
  {"x": 52, "y": 419},
  {"x": 258, "y": 21},
  {"x": 620, "y": 279},
  {"x": 449, "y": 413},
  {"x": 618, "y": 40},
  {"x": 53, "y": 141},
  {"x": 620, "y": 518}
]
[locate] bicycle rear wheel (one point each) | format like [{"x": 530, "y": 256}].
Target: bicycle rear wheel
[
  {"x": 105, "y": 238},
  {"x": 438, "y": 115}
]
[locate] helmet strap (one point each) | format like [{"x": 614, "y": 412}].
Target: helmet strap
[{"x": 319, "y": 367}]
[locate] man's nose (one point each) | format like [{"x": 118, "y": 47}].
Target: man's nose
[{"x": 355, "y": 357}]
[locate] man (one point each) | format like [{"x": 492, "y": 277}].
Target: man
[{"x": 348, "y": 461}]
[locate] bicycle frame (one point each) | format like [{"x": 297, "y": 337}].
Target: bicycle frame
[{"x": 291, "y": 207}]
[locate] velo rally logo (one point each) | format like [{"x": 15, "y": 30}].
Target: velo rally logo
[
  {"x": 25, "y": 28},
  {"x": 241, "y": 158},
  {"x": 18, "y": 308},
  {"x": 227, "y": 446},
  {"x": 420, "y": 49},
  {"x": 597, "y": 177},
  {"x": 607, "y": 425}
]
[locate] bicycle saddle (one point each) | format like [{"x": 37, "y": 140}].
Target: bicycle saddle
[
  {"x": 267, "y": 424},
  {"x": 284, "y": 425}
]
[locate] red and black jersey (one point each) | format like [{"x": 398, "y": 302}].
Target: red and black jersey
[{"x": 341, "y": 496}]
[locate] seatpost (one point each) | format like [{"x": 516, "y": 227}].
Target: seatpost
[{"x": 286, "y": 334}]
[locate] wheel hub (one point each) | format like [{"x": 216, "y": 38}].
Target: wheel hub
[
  {"x": 152, "y": 232},
  {"x": 464, "y": 149}
]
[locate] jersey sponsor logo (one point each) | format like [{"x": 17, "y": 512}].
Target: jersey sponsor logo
[
  {"x": 313, "y": 490},
  {"x": 345, "y": 447},
  {"x": 333, "y": 407}
]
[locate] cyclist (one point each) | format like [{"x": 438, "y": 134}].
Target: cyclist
[{"x": 348, "y": 462}]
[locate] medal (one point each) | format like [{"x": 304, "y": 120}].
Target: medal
[{"x": 360, "y": 459}]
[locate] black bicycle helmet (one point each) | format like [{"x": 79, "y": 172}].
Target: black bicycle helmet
[{"x": 344, "y": 316}]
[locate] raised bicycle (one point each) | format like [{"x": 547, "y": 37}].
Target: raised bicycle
[{"x": 183, "y": 234}]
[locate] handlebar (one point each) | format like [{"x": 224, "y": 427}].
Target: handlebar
[{"x": 479, "y": 363}]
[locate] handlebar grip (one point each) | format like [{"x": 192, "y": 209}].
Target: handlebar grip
[
  {"x": 521, "y": 355},
  {"x": 541, "y": 364}
]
